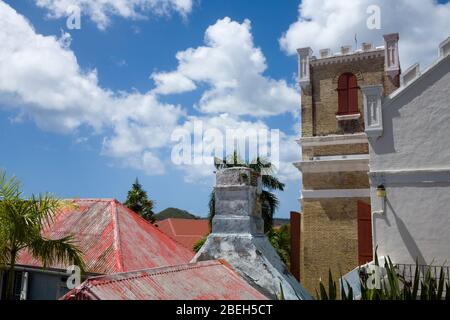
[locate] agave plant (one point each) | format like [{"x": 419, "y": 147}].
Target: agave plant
[{"x": 393, "y": 285}]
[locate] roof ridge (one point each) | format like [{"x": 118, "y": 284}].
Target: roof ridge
[
  {"x": 172, "y": 227},
  {"x": 153, "y": 226},
  {"x": 117, "y": 243},
  {"x": 157, "y": 271},
  {"x": 92, "y": 199}
]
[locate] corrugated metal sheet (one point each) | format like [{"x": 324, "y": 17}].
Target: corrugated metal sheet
[
  {"x": 210, "y": 280},
  {"x": 112, "y": 238},
  {"x": 185, "y": 231}
]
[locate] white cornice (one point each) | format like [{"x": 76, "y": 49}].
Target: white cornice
[
  {"x": 335, "y": 194},
  {"x": 379, "y": 52},
  {"x": 360, "y": 164},
  {"x": 411, "y": 176},
  {"x": 400, "y": 91},
  {"x": 358, "y": 138}
]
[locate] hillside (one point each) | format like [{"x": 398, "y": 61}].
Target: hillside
[{"x": 174, "y": 213}]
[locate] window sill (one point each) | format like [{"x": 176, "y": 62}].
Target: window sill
[{"x": 346, "y": 117}]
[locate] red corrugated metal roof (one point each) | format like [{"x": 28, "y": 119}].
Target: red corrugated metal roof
[
  {"x": 210, "y": 280},
  {"x": 185, "y": 231},
  {"x": 112, "y": 238}
]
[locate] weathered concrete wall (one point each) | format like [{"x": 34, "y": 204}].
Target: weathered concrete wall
[
  {"x": 412, "y": 160},
  {"x": 238, "y": 236}
]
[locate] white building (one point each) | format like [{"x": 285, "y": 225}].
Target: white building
[{"x": 409, "y": 138}]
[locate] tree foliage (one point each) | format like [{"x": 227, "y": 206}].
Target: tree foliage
[
  {"x": 139, "y": 202},
  {"x": 22, "y": 222},
  {"x": 280, "y": 238}
]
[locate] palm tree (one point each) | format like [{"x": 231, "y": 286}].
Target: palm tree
[
  {"x": 22, "y": 223},
  {"x": 270, "y": 183}
]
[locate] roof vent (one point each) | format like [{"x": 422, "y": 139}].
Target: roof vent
[
  {"x": 346, "y": 49},
  {"x": 325, "y": 53}
]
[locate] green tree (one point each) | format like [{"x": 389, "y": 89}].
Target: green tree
[
  {"x": 138, "y": 201},
  {"x": 21, "y": 224},
  {"x": 270, "y": 183},
  {"x": 280, "y": 239}
]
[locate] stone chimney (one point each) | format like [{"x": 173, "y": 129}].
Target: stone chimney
[{"x": 238, "y": 236}]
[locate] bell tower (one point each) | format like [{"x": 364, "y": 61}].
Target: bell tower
[{"x": 335, "y": 231}]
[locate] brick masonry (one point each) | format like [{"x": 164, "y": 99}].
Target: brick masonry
[
  {"x": 329, "y": 240},
  {"x": 329, "y": 235},
  {"x": 335, "y": 150}
]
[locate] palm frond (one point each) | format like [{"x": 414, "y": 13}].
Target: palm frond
[
  {"x": 50, "y": 252},
  {"x": 9, "y": 187},
  {"x": 43, "y": 209},
  {"x": 272, "y": 183}
]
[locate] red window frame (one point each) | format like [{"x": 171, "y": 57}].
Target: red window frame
[{"x": 348, "y": 94}]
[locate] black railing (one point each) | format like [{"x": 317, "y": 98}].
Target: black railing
[{"x": 408, "y": 271}]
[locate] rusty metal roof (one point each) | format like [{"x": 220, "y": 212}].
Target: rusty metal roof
[
  {"x": 112, "y": 238},
  {"x": 185, "y": 231},
  {"x": 210, "y": 280}
]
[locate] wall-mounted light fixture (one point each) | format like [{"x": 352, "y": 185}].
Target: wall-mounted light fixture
[{"x": 381, "y": 194}]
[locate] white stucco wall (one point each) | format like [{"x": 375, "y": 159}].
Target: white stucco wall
[{"x": 412, "y": 160}]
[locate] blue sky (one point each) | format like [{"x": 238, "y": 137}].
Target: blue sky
[{"x": 81, "y": 158}]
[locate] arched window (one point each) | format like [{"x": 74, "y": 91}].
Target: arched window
[{"x": 348, "y": 94}]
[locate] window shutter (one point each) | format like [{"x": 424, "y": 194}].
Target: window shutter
[
  {"x": 348, "y": 94},
  {"x": 343, "y": 94},
  {"x": 365, "y": 246},
  {"x": 353, "y": 94}
]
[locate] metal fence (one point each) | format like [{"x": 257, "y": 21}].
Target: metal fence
[{"x": 408, "y": 271}]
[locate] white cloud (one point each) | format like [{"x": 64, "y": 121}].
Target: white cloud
[
  {"x": 172, "y": 82},
  {"x": 62, "y": 97},
  {"x": 285, "y": 151},
  {"x": 422, "y": 25},
  {"x": 40, "y": 77},
  {"x": 232, "y": 68},
  {"x": 100, "y": 11}
]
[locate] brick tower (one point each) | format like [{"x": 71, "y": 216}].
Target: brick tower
[{"x": 336, "y": 229}]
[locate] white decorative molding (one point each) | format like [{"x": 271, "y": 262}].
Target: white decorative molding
[
  {"x": 367, "y": 46},
  {"x": 402, "y": 90},
  {"x": 304, "y": 60},
  {"x": 325, "y": 53},
  {"x": 373, "y": 111},
  {"x": 335, "y": 194},
  {"x": 392, "y": 57},
  {"x": 346, "y": 117},
  {"x": 444, "y": 48},
  {"x": 410, "y": 176},
  {"x": 354, "y": 56},
  {"x": 410, "y": 74},
  {"x": 346, "y": 49},
  {"x": 354, "y": 164},
  {"x": 332, "y": 140}
]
